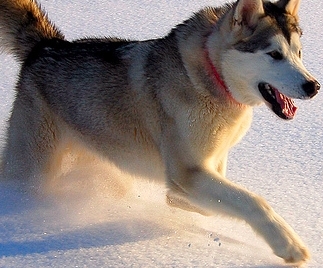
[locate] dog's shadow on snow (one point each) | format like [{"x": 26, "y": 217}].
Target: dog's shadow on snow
[
  {"x": 23, "y": 233},
  {"x": 23, "y": 229},
  {"x": 99, "y": 235}
]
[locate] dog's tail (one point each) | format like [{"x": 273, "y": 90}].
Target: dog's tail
[{"x": 22, "y": 25}]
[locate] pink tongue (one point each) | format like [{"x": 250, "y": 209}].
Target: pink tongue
[{"x": 287, "y": 105}]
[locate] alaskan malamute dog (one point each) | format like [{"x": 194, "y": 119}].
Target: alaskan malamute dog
[{"x": 183, "y": 100}]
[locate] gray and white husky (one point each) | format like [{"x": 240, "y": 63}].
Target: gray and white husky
[{"x": 182, "y": 100}]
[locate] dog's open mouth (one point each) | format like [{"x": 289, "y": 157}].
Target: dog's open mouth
[{"x": 281, "y": 105}]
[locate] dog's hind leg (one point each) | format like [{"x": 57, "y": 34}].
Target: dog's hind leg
[{"x": 32, "y": 137}]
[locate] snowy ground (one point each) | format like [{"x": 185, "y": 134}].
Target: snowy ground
[{"x": 89, "y": 220}]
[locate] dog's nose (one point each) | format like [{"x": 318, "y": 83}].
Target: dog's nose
[{"x": 311, "y": 88}]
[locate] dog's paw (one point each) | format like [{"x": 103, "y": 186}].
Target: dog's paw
[
  {"x": 294, "y": 253},
  {"x": 286, "y": 244},
  {"x": 283, "y": 240}
]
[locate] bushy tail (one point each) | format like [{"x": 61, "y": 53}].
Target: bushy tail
[{"x": 22, "y": 25}]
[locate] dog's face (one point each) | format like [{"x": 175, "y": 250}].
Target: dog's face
[{"x": 264, "y": 63}]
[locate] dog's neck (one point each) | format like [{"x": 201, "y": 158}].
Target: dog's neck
[{"x": 216, "y": 77}]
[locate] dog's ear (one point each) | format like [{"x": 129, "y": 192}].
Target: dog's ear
[
  {"x": 291, "y": 6},
  {"x": 247, "y": 13}
]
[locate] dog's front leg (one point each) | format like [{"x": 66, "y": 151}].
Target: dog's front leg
[
  {"x": 208, "y": 192},
  {"x": 222, "y": 166}
]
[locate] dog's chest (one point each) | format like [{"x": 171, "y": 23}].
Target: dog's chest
[{"x": 214, "y": 132}]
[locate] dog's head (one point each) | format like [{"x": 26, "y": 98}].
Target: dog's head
[{"x": 263, "y": 60}]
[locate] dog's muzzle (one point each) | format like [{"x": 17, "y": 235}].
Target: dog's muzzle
[{"x": 282, "y": 105}]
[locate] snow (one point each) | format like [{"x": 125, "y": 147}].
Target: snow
[{"x": 99, "y": 216}]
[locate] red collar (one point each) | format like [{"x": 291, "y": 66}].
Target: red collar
[{"x": 216, "y": 77}]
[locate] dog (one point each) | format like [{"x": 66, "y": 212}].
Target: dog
[{"x": 182, "y": 100}]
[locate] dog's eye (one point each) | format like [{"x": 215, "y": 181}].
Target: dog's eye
[{"x": 276, "y": 55}]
